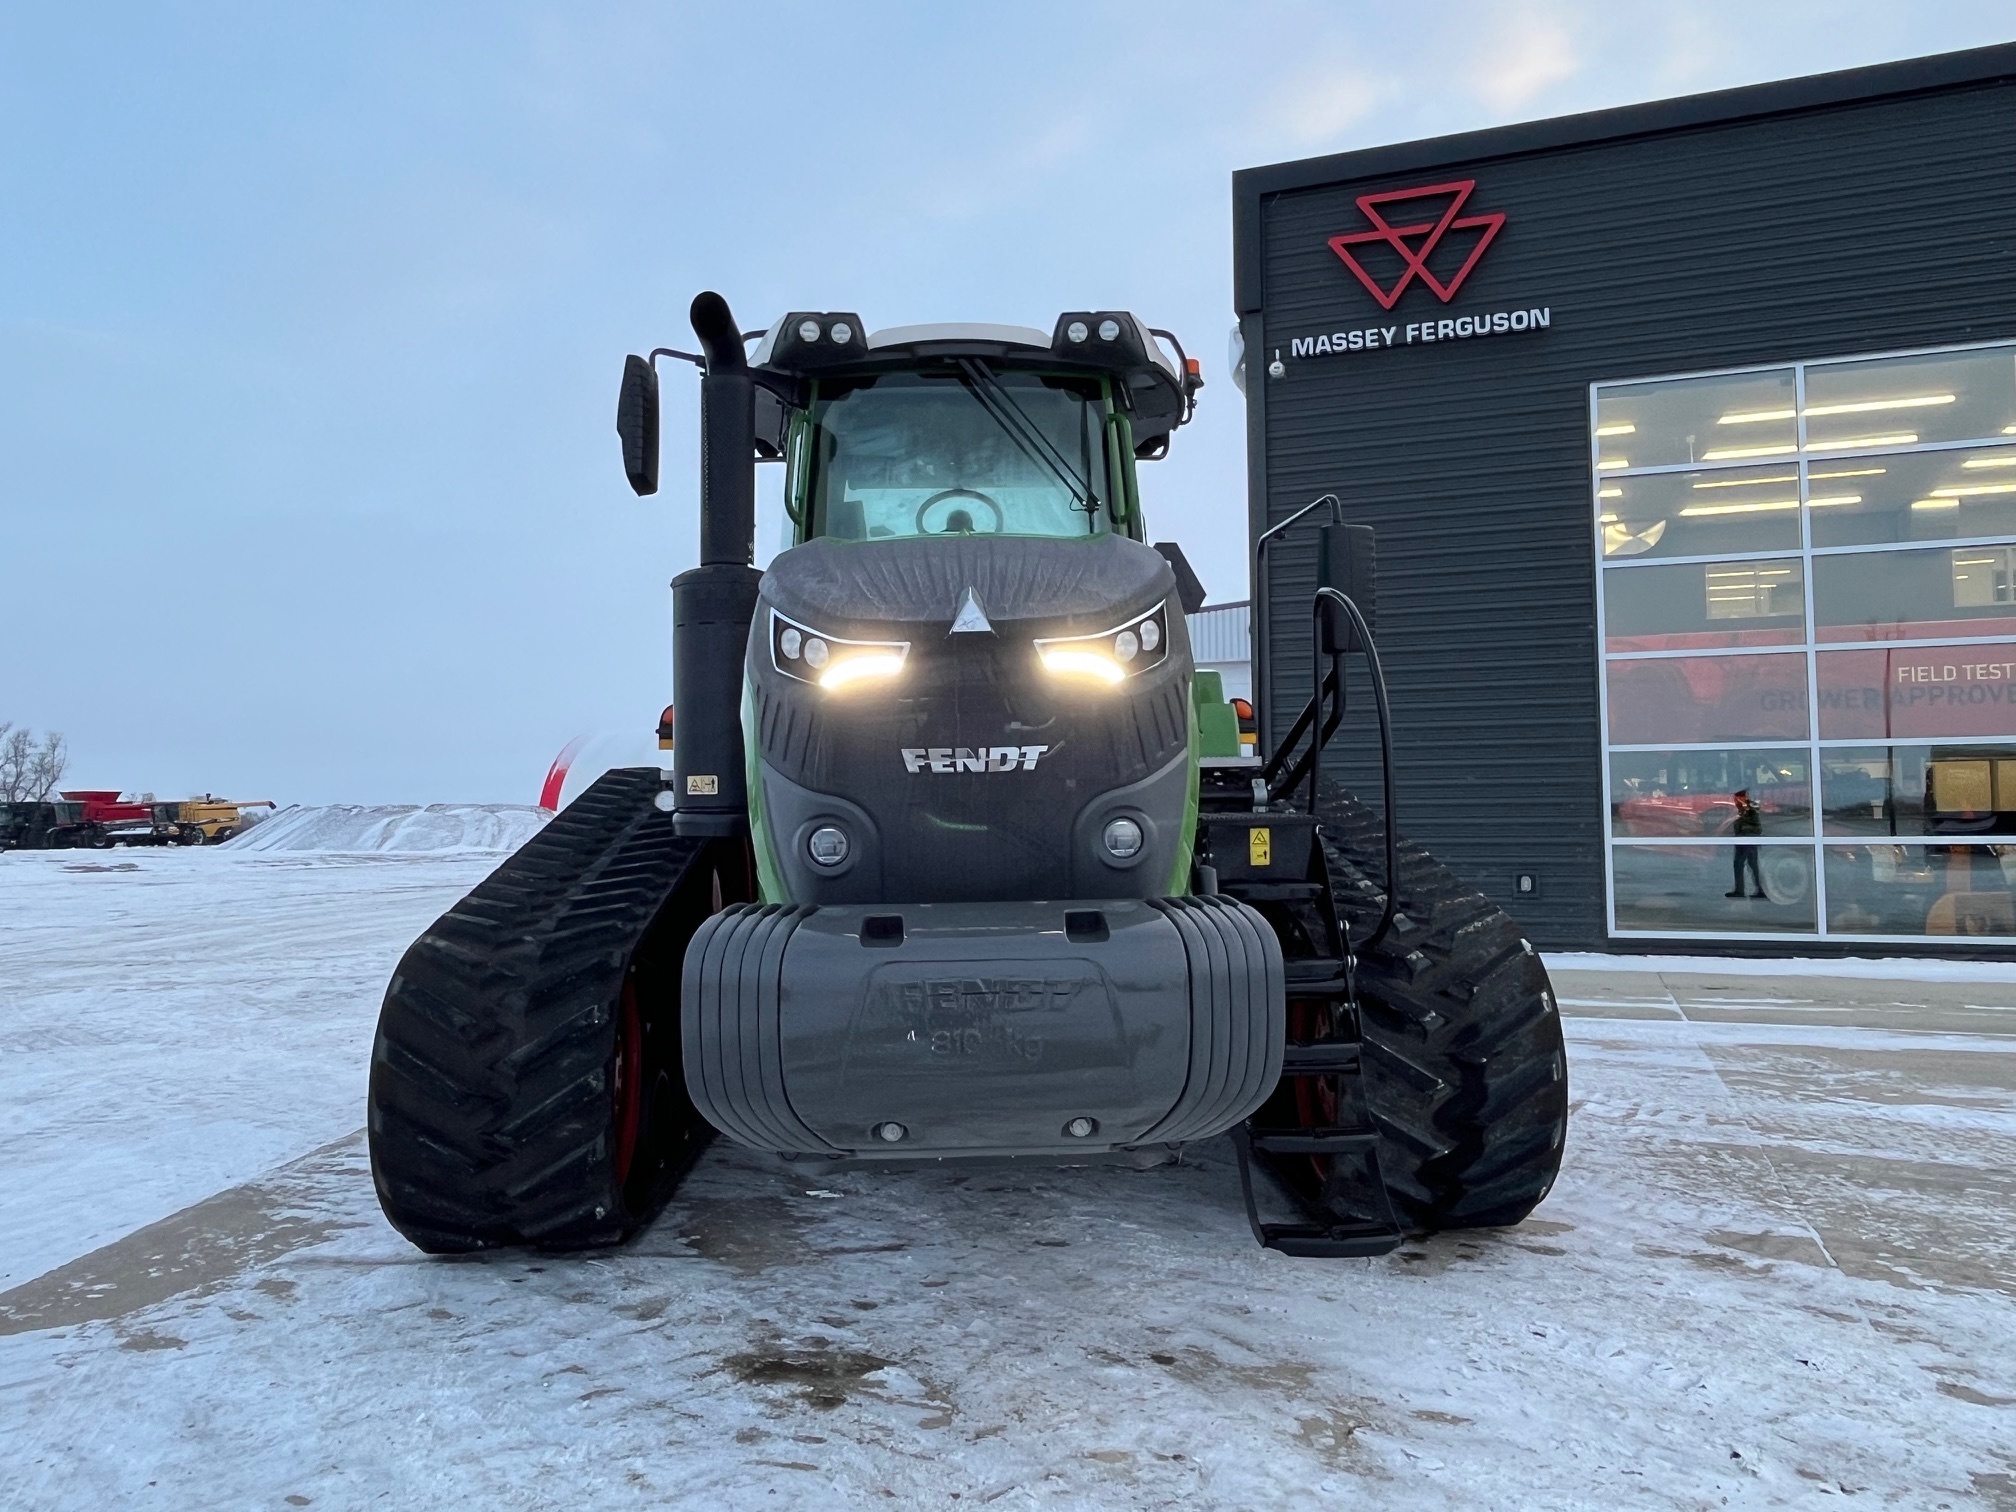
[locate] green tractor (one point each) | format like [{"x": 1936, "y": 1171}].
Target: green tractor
[{"x": 959, "y": 856}]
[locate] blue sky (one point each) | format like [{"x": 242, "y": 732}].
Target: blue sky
[{"x": 311, "y": 320}]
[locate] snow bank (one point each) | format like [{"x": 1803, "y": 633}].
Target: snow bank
[{"x": 405, "y": 827}]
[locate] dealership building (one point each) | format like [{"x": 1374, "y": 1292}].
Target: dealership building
[{"x": 1689, "y": 433}]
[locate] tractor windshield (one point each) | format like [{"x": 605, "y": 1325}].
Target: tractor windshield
[{"x": 965, "y": 452}]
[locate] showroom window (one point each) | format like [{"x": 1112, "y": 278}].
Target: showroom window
[{"x": 1807, "y": 623}]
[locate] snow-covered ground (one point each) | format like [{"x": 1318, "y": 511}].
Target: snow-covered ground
[{"x": 1777, "y": 1270}]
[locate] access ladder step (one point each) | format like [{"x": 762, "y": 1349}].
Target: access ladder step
[
  {"x": 1325, "y": 1058},
  {"x": 1274, "y": 892},
  {"x": 1314, "y": 1141},
  {"x": 1310, "y": 1241},
  {"x": 1326, "y": 1232},
  {"x": 1318, "y": 977}
]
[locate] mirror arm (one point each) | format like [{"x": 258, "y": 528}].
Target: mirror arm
[{"x": 657, "y": 352}]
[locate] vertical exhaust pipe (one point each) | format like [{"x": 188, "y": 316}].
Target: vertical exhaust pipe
[{"x": 713, "y": 604}]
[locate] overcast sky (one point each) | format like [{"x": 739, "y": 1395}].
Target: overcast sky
[{"x": 311, "y": 321}]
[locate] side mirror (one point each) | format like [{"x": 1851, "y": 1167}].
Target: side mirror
[
  {"x": 637, "y": 424},
  {"x": 1189, "y": 589}
]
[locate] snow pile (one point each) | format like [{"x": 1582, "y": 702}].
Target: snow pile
[{"x": 404, "y": 827}]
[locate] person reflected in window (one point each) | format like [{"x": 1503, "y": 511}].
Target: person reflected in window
[{"x": 1749, "y": 821}]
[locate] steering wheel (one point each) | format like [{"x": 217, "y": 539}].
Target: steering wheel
[{"x": 1000, "y": 516}]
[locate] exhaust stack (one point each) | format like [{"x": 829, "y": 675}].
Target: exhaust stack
[{"x": 713, "y": 604}]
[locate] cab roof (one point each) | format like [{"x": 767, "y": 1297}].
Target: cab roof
[{"x": 1156, "y": 389}]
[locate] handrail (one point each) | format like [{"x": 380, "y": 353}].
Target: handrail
[
  {"x": 1263, "y": 600},
  {"x": 1270, "y": 771}
]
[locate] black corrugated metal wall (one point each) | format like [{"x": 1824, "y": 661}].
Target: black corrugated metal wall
[{"x": 1863, "y": 227}]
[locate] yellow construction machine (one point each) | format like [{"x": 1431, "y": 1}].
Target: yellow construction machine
[{"x": 208, "y": 820}]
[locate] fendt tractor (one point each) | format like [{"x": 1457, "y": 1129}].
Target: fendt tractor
[{"x": 958, "y": 857}]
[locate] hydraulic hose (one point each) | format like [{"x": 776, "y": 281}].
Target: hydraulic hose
[{"x": 1318, "y": 732}]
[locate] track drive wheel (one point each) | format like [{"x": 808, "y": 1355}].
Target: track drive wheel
[
  {"x": 1465, "y": 1072},
  {"x": 525, "y": 1082}
]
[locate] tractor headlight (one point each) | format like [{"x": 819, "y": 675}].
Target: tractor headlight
[
  {"x": 1112, "y": 656},
  {"x": 832, "y": 661}
]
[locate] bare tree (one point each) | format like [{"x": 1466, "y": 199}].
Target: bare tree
[
  {"x": 17, "y": 750},
  {"x": 47, "y": 766},
  {"x": 30, "y": 770}
]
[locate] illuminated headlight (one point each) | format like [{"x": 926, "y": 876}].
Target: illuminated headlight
[
  {"x": 832, "y": 661},
  {"x": 1113, "y": 655}
]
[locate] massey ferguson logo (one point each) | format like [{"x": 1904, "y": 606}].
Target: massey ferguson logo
[
  {"x": 979, "y": 759},
  {"x": 1419, "y": 240}
]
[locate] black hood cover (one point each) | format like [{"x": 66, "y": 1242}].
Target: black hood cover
[{"x": 1067, "y": 586}]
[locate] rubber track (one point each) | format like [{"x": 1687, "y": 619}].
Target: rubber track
[
  {"x": 491, "y": 1114},
  {"x": 1465, "y": 1073}
]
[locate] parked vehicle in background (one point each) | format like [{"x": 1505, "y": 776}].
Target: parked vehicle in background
[
  {"x": 29, "y": 825},
  {"x": 106, "y": 817},
  {"x": 208, "y": 820},
  {"x": 97, "y": 818}
]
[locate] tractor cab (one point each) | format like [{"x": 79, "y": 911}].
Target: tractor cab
[{"x": 967, "y": 429}]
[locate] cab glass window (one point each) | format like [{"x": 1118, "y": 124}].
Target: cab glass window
[{"x": 958, "y": 453}]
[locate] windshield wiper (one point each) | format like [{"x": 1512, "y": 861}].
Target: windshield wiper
[{"x": 1000, "y": 405}]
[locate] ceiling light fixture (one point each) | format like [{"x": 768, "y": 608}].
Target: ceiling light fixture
[
  {"x": 1791, "y": 477},
  {"x": 1735, "y": 453},
  {"x": 1852, "y": 407},
  {"x": 1867, "y": 406},
  {"x": 1620, "y": 428},
  {"x": 1850, "y": 443},
  {"x": 1697, "y": 511}
]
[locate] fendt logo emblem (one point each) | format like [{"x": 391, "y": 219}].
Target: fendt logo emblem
[
  {"x": 1417, "y": 241},
  {"x": 949, "y": 759}
]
